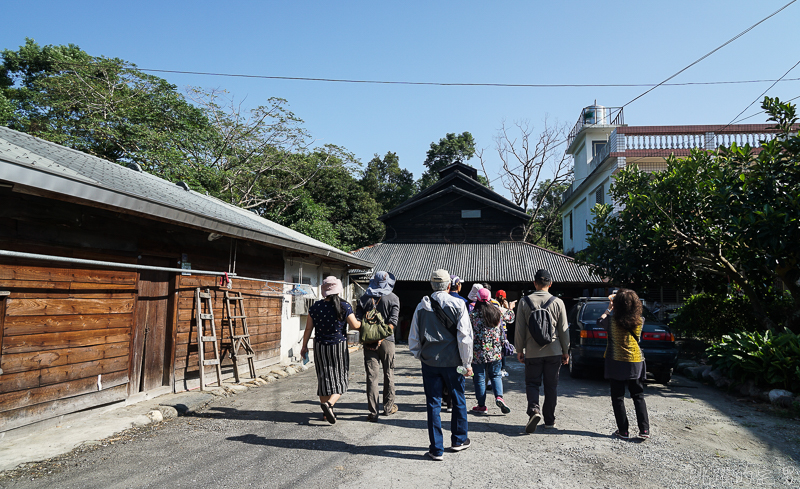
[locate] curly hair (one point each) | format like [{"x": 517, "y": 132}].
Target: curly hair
[{"x": 627, "y": 309}]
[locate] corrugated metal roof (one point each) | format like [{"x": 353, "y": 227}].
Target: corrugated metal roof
[
  {"x": 37, "y": 163},
  {"x": 511, "y": 261}
]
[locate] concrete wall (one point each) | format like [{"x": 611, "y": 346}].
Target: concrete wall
[{"x": 310, "y": 271}]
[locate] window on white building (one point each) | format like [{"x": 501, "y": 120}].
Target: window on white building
[{"x": 599, "y": 196}]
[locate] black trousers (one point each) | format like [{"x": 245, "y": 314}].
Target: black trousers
[
  {"x": 537, "y": 371},
  {"x": 636, "y": 389}
]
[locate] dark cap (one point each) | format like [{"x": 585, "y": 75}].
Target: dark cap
[{"x": 543, "y": 276}]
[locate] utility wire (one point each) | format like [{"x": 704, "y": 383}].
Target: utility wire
[
  {"x": 761, "y": 111},
  {"x": 762, "y": 94},
  {"x": 737, "y": 36},
  {"x": 460, "y": 84}
]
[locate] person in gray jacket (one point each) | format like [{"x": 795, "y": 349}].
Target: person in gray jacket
[
  {"x": 441, "y": 338},
  {"x": 542, "y": 362},
  {"x": 379, "y": 296}
]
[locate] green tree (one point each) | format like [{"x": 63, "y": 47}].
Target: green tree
[
  {"x": 713, "y": 217},
  {"x": 450, "y": 149},
  {"x": 386, "y": 182},
  {"x": 101, "y": 106}
]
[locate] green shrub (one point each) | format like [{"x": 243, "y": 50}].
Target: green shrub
[
  {"x": 770, "y": 360},
  {"x": 710, "y": 316}
]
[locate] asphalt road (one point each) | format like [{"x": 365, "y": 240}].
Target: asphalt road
[{"x": 274, "y": 436}]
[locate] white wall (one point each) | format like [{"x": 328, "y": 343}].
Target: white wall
[{"x": 292, "y": 327}]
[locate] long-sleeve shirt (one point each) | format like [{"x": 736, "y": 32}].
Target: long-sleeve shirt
[
  {"x": 463, "y": 325},
  {"x": 388, "y": 306},
  {"x": 523, "y": 339}
]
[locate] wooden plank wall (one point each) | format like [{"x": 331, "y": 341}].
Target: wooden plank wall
[
  {"x": 262, "y": 307},
  {"x": 66, "y": 340}
]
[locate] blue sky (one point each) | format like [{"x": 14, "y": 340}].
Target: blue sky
[{"x": 452, "y": 42}]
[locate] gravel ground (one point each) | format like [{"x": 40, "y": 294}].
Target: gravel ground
[{"x": 273, "y": 436}]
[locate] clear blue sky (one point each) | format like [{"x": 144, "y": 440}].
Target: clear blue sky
[{"x": 615, "y": 42}]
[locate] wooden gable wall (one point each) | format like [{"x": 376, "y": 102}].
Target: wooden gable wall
[{"x": 440, "y": 221}]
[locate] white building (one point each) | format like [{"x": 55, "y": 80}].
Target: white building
[{"x": 602, "y": 144}]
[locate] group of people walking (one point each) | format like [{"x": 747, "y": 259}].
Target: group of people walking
[{"x": 456, "y": 338}]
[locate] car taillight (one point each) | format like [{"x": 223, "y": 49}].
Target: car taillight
[
  {"x": 660, "y": 336},
  {"x": 594, "y": 334}
]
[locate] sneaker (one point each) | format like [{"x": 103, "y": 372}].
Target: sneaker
[
  {"x": 480, "y": 409},
  {"x": 391, "y": 410},
  {"x": 534, "y": 420},
  {"x": 550, "y": 426},
  {"x": 372, "y": 418},
  {"x": 447, "y": 409},
  {"x": 502, "y": 405},
  {"x": 461, "y": 446},
  {"x": 622, "y": 436},
  {"x": 431, "y": 456},
  {"x": 504, "y": 373},
  {"x": 644, "y": 434}
]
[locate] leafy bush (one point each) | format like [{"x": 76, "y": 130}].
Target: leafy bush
[
  {"x": 710, "y": 316},
  {"x": 770, "y": 360}
]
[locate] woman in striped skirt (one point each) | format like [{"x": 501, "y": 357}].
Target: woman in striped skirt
[{"x": 329, "y": 319}]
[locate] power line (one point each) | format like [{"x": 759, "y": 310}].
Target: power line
[
  {"x": 761, "y": 112},
  {"x": 460, "y": 84},
  {"x": 737, "y": 36},
  {"x": 762, "y": 94}
]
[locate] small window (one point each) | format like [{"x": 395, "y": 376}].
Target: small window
[
  {"x": 600, "y": 196},
  {"x": 598, "y": 147},
  {"x": 570, "y": 225},
  {"x": 474, "y": 214}
]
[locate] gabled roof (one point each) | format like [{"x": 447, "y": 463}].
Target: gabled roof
[
  {"x": 509, "y": 261},
  {"x": 39, "y": 164},
  {"x": 458, "y": 182}
]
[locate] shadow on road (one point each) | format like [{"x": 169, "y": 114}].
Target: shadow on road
[{"x": 389, "y": 451}]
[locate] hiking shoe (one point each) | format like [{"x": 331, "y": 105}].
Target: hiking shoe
[
  {"x": 622, "y": 436},
  {"x": 431, "y": 456},
  {"x": 391, "y": 410},
  {"x": 644, "y": 434},
  {"x": 480, "y": 409},
  {"x": 461, "y": 446},
  {"x": 534, "y": 420},
  {"x": 502, "y": 405}
]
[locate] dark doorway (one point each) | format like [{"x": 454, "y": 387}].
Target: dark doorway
[{"x": 152, "y": 336}]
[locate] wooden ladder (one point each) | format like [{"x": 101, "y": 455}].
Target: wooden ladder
[
  {"x": 202, "y": 300},
  {"x": 235, "y": 317}
]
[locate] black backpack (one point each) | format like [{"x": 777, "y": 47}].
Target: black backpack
[{"x": 541, "y": 324}]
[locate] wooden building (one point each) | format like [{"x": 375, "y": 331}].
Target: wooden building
[
  {"x": 99, "y": 264},
  {"x": 462, "y": 226}
]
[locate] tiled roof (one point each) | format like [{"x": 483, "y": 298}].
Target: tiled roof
[
  {"x": 30, "y": 161},
  {"x": 511, "y": 261}
]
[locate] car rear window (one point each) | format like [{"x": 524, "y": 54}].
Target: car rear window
[{"x": 593, "y": 310}]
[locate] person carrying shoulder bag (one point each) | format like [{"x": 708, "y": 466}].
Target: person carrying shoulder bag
[{"x": 380, "y": 354}]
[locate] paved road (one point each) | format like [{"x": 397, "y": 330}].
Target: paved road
[{"x": 273, "y": 436}]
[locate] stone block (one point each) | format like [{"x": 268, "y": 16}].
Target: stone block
[
  {"x": 775, "y": 394},
  {"x": 155, "y": 416},
  {"x": 168, "y": 412}
]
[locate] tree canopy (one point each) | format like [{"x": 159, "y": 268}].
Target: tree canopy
[
  {"x": 712, "y": 219},
  {"x": 450, "y": 149}
]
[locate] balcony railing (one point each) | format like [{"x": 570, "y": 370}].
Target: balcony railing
[{"x": 596, "y": 116}]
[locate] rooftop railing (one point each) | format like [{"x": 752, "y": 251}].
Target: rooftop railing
[{"x": 596, "y": 116}]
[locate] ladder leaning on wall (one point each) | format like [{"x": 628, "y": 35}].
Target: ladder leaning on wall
[
  {"x": 205, "y": 320},
  {"x": 238, "y": 334}
]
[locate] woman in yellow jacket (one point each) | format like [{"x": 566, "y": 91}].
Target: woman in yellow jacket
[{"x": 624, "y": 362}]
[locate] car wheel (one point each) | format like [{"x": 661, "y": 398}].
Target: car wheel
[
  {"x": 574, "y": 371},
  {"x": 663, "y": 376}
]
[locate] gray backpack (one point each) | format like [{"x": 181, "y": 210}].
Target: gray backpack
[{"x": 541, "y": 323}]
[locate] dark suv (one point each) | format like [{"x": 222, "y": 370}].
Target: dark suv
[{"x": 588, "y": 340}]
